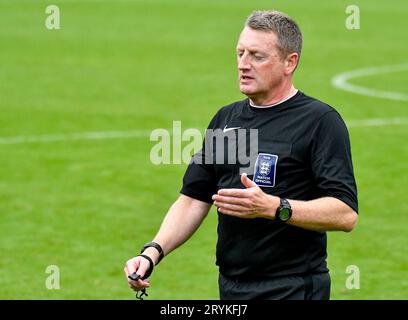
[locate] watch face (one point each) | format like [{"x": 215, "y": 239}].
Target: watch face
[{"x": 284, "y": 214}]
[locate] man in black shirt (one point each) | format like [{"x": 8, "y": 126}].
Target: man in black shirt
[{"x": 277, "y": 166}]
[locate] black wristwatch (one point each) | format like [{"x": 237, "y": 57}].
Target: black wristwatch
[
  {"x": 284, "y": 211},
  {"x": 154, "y": 245}
]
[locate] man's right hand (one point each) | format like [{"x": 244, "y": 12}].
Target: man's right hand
[
  {"x": 182, "y": 220},
  {"x": 139, "y": 265}
]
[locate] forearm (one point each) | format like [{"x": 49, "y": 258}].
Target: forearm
[
  {"x": 323, "y": 214},
  {"x": 181, "y": 221}
]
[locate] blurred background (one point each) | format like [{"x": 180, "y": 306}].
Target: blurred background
[{"x": 77, "y": 187}]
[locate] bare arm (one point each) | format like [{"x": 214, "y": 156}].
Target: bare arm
[
  {"x": 182, "y": 220},
  {"x": 324, "y": 214}
]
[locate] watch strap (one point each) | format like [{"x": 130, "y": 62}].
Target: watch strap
[
  {"x": 157, "y": 247},
  {"x": 284, "y": 202}
]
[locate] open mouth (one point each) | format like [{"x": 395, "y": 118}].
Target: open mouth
[{"x": 246, "y": 78}]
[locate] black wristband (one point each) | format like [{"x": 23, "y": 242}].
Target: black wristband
[
  {"x": 150, "y": 270},
  {"x": 158, "y": 248}
]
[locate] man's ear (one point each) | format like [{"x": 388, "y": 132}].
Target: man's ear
[{"x": 291, "y": 62}]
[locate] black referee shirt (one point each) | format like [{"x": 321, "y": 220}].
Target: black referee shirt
[{"x": 303, "y": 154}]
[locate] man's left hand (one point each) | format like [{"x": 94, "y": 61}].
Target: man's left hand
[{"x": 250, "y": 202}]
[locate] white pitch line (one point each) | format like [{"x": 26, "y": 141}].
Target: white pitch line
[
  {"x": 340, "y": 81},
  {"x": 75, "y": 136},
  {"x": 104, "y": 135},
  {"x": 377, "y": 122}
]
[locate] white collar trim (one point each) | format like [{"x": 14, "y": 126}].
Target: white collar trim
[{"x": 275, "y": 104}]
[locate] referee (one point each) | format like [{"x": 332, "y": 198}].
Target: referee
[{"x": 273, "y": 211}]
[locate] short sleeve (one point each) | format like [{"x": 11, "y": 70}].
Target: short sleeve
[
  {"x": 331, "y": 160},
  {"x": 199, "y": 181}
]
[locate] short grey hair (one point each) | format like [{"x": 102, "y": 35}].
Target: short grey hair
[{"x": 287, "y": 31}]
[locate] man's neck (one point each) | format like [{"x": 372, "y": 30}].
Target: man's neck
[{"x": 274, "y": 97}]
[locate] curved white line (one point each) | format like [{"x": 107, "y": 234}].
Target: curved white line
[{"x": 340, "y": 81}]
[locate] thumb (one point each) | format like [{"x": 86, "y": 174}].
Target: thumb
[
  {"x": 248, "y": 183},
  {"x": 143, "y": 270}
]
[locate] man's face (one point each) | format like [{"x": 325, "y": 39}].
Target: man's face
[{"x": 261, "y": 69}]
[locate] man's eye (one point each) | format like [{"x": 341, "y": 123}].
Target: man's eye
[{"x": 259, "y": 57}]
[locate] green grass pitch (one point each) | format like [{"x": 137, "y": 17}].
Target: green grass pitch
[{"x": 88, "y": 205}]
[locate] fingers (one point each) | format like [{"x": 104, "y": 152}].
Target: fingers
[
  {"x": 230, "y": 200},
  {"x": 238, "y": 200},
  {"x": 241, "y": 193},
  {"x": 140, "y": 266},
  {"x": 229, "y": 206},
  {"x": 233, "y": 192},
  {"x": 235, "y": 213}
]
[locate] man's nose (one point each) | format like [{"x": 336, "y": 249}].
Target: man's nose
[{"x": 243, "y": 62}]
